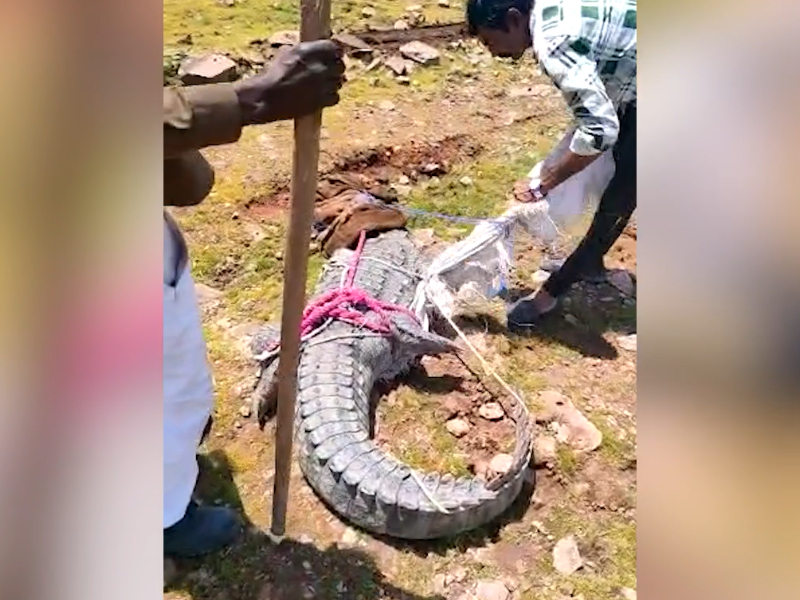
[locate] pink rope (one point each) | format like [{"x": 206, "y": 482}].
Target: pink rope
[{"x": 349, "y": 304}]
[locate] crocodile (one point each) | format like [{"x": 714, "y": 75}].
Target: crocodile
[{"x": 339, "y": 367}]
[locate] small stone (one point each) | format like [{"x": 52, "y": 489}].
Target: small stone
[
  {"x": 623, "y": 281},
  {"x": 341, "y": 587},
  {"x": 350, "y": 537},
  {"x": 354, "y": 44},
  {"x": 539, "y": 277},
  {"x": 628, "y": 593},
  {"x": 305, "y": 539},
  {"x": 403, "y": 180},
  {"x": 444, "y": 3},
  {"x": 458, "y": 427},
  {"x": 491, "y": 411},
  {"x": 420, "y": 52},
  {"x": 451, "y": 407},
  {"x": 246, "y": 411},
  {"x": 501, "y": 464},
  {"x": 403, "y": 80},
  {"x": 456, "y": 576},
  {"x": 386, "y": 105},
  {"x": 491, "y": 590},
  {"x": 566, "y": 557},
  {"x": 237, "y": 425},
  {"x": 401, "y": 25},
  {"x": 211, "y": 68},
  {"x": 235, "y": 216},
  {"x": 544, "y": 450},
  {"x": 284, "y": 38},
  {"x": 306, "y": 565},
  {"x": 227, "y": 2},
  {"x": 368, "y": 12},
  {"x": 397, "y": 64},
  {"x": 439, "y": 584},
  {"x": 572, "y": 319},
  {"x": 466, "y": 180},
  {"x": 432, "y": 169},
  {"x": 627, "y": 342}
]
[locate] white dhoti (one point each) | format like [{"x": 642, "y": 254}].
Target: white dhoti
[{"x": 188, "y": 388}]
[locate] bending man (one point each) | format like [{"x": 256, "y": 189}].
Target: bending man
[{"x": 588, "y": 49}]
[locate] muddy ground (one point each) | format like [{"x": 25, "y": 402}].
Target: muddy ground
[{"x": 453, "y": 139}]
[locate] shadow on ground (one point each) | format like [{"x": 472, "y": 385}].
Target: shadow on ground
[
  {"x": 475, "y": 539},
  {"x": 256, "y": 569},
  {"x": 583, "y": 316}
]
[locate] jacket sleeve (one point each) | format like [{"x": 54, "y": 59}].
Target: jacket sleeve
[{"x": 199, "y": 116}]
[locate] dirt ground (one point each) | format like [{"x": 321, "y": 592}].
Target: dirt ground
[{"x": 453, "y": 139}]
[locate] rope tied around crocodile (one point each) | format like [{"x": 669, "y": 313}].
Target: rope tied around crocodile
[{"x": 349, "y": 304}]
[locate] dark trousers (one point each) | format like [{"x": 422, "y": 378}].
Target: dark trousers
[{"x": 613, "y": 213}]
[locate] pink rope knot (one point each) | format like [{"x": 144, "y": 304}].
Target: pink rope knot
[{"x": 350, "y": 305}]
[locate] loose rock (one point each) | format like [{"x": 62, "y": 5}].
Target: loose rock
[
  {"x": 539, "y": 277},
  {"x": 368, "y": 12},
  {"x": 571, "y": 424},
  {"x": 544, "y": 450},
  {"x": 421, "y": 53},
  {"x": 403, "y": 80},
  {"x": 491, "y": 411},
  {"x": 566, "y": 557},
  {"x": 623, "y": 281},
  {"x": 627, "y": 342},
  {"x": 246, "y": 411},
  {"x": 284, "y": 38},
  {"x": 397, "y": 64},
  {"x": 386, "y": 105},
  {"x": 444, "y": 3},
  {"x": 458, "y": 427},
  {"x": 501, "y": 464},
  {"x": 491, "y": 590},
  {"x": 354, "y": 44},
  {"x": 628, "y": 593},
  {"x": 466, "y": 180},
  {"x": 350, "y": 538},
  {"x": 401, "y": 25},
  {"x": 211, "y": 68}
]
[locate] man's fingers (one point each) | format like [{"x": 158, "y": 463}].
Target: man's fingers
[{"x": 324, "y": 50}]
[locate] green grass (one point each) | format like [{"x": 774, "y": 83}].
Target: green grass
[
  {"x": 213, "y": 25},
  {"x": 418, "y": 438}
]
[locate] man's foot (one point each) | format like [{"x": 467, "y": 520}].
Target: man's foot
[
  {"x": 527, "y": 312},
  {"x": 204, "y": 529},
  {"x": 595, "y": 274}
]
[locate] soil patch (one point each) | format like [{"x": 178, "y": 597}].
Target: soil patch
[
  {"x": 430, "y": 34},
  {"x": 417, "y": 410},
  {"x": 378, "y": 166}
]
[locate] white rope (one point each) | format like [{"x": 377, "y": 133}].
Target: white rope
[
  {"x": 486, "y": 367},
  {"x": 428, "y": 494}
]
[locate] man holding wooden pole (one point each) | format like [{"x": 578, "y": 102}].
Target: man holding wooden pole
[{"x": 299, "y": 83}]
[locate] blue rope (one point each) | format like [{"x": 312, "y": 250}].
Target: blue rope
[{"x": 426, "y": 213}]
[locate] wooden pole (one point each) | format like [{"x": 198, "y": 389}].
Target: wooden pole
[{"x": 314, "y": 25}]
